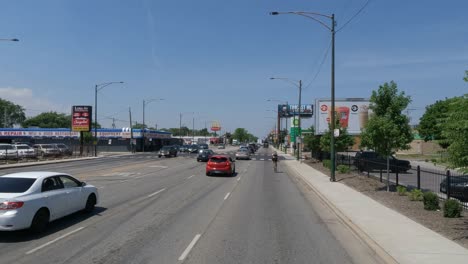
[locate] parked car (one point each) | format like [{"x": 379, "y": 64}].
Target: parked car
[
  {"x": 221, "y": 147},
  {"x": 193, "y": 149},
  {"x": 458, "y": 187},
  {"x": 46, "y": 150},
  {"x": 370, "y": 160},
  {"x": 8, "y": 151},
  {"x": 33, "y": 199},
  {"x": 203, "y": 146},
  {"x": 243, "y": 154},
  {"x": 183, "y": 148},
  {"x": 204, "y": 154},
  {"x": 168, "y": 151},
  {"x": 64, "y": 149},
  {"x": 25, "y": 151},
  {"x": 220, "y": 164}
]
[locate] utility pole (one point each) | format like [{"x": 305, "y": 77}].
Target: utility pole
[
  {"x": 131, "y": 131},
  {"x": 113, "y": 123},
  {"x": 193, "y": 129},
  {"x": 332, "y": 141},
  {"x": 299, "y": 121},
  {"x": 180, "y": 125}
]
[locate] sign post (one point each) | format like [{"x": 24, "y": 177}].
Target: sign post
[{"x": 81, "y": 121}]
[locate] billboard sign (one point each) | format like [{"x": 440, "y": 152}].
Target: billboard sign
[
  {"x": 307, "y": 110},
  {"x": 81, "y": 118},
  {"x": 353, "y": 114},
  {"x": 215, "y": 126}
]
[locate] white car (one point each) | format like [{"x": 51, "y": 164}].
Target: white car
[
  {"x": 25, "y": 151},
  {"x": 7, "y": 151},
  {"x": 33, "y": 199}
]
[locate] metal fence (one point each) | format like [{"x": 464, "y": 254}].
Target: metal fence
[
  {"x": 12, "y": 156},
  {"x": 447, "y": 184}
]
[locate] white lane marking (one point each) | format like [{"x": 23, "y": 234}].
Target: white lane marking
[
  {"x": 227, "y": 195},
  {"x": 189, "y": 247},
  {"x": 139, "y": 177},
  {"x": 53, "y": 241},
  {"x": 238, "y": 179},
  {"x": 158, "y": 166},
  {"x": 124, "y": 181},
  {"x": 153, "y": 194},
  {"x": 262, "y": 159},
  {"x": 102, "y": 187},
  {"x": 190, "y": 177}
]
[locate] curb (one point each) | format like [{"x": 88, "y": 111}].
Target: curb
[
  {"x": 376, "y": 248},
  {"x": 30, "y": 164}
]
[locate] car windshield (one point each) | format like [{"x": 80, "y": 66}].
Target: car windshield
[
  {"x": 218, "y": 159},
  {"x": 48, "y": 146},
  {"x": 22, "y": 147},
  {"x": 6, "y": 147},
  {"x": 15, "y": 185}
]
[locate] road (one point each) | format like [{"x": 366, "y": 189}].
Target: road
[{"x": 156, "y": 210}]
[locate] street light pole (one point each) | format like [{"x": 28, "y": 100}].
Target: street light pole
[
  {"x": 313, "y": 16},
  {"x": 144, "y": 126},
  {"x": 97, "y": 88},
  {"x": 299, "y": 121}
]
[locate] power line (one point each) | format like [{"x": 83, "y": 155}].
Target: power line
[
  {"x": 355, "y": 15},
  {"x": 320, "y": 66}
]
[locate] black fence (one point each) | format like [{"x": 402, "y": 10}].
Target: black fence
[{"x": 447, "y": 184}]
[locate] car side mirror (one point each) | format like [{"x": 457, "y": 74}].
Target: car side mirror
[{"x": 83, "y": 184}]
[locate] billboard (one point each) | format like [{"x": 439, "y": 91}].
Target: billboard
[
  {"x": 307, "y": 110},
  {"x": 353, "y": 114},
  {"x": 81, "y": 118},
  {"x": 215, "y": 126}
]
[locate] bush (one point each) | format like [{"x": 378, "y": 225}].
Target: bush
[
  {"x": 431, "y": 201},
  {"x": 416, "y": 195},
  {"x": 343, "y": 169},
  {"x": 452, "y": 208},
  {"x": 327, "y": 163},
  {"x": 401, "y": 190}
]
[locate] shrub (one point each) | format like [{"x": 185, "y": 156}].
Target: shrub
[
  {"x": 431, "y": 201},
  {"x": 327, "y": 163},
  {"x": 401, "y": 190},
  {"x": 416, "y": 195},
  {"x": 343, "y": 169},
  {"x": 452, "y": 208}
]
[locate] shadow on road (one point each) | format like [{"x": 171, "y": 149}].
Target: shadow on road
[{"x": 54, "y": 227}]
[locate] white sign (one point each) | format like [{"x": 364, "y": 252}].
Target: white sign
[{"x": 353, "y": 114}]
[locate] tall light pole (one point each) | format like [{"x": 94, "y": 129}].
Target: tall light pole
[
  {"x": 313, "y": 16},
  {"x": 144, "y": 127},
  {"x": 97, "y": 88},
  {"x": 298, "y": 84}
]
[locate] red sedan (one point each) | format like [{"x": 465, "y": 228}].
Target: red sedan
[{"x": 220, "y": 164}]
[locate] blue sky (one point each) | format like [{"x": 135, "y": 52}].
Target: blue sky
[{"x": 215, "y": 57}]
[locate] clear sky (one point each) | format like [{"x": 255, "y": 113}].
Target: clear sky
[{"x": 215, "y": 57}]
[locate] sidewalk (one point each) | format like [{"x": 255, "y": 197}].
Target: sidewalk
[{"x": 388, "y": 232}]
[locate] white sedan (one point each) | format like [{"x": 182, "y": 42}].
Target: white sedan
[{"x": 33, "y": 199}]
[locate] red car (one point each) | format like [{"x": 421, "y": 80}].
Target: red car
[{"x": 220, "y": 164}]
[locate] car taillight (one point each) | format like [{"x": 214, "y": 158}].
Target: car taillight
[{"x": 11, "y": 205}]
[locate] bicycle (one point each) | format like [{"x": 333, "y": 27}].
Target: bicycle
[{"x": 275, "y": 164}]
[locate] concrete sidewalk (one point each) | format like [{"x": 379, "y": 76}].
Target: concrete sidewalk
[{"x": 388, "y": 232}]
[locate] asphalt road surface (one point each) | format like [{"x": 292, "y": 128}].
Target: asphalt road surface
[{"x": 166, "y": 210}]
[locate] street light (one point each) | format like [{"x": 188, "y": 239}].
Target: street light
[
  {"x": 97, "y": 88},
  {"x": 14, "y": 39},
  {"x": 144, "y": 127},
  {"x": 311, "y": 15},
  {"x": 298, "y": 84}
]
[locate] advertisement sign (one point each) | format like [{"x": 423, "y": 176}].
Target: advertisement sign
[
  {"x": 352, "y": 114},
  {"x": 81, "y": 118},
  {"x": 307, "y": 110},
  {"x": 215, "y": 126}
]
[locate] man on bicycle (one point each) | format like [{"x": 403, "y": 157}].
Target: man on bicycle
[{"x": 274, "y": 158}]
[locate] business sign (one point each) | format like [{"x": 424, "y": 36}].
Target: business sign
[
  {"x": 352, "y": 114},
  {"x": 215, "y": 126},
  {"x": 307, "y": 110},
  {"x": 81, "y": 118}
]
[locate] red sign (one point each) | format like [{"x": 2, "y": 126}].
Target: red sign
[
  {"x": 324, "y": 108},
  {"x": 81, "y": 118},
  {"x": 215, "y": 126}
]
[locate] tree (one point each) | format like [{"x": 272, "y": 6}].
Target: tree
[
  {"x": 455, "y": 129},
  {"x": 241, "y": 134},
  {"x": 11, "y": 114},
  {"x": 342, "y": 143},
  {"x": 49, "y": 120},
  {"x": 466, "y": 76},
  {"x": 312, "y": 142},
  {"x": 388, "y": 129},
  {"x": 430, "y": 123},
  {"x": 138, "y": 126}
]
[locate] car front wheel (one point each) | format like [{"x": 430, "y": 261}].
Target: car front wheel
[{"x": 90, "y": 203}]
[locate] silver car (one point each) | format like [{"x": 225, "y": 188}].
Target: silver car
[
  {"x": 7, "y": 151},
  {"x": 243, "y": 154},
  {"x": 44, "y": 150}
]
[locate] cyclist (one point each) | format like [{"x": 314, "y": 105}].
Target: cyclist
[{"x": 274, "y": 158}]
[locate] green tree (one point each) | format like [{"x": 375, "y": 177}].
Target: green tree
[
  {"x": 430, "y": 123},
  {"x": 49, "y": 120},
  {"x": 312, "y": 141},
  {"x": 10, "y": 114},
  {"x": 139, "y": 126},
  {"x": 455, "y": 129},
  {"x": 466, "y": 76},
  {"x": 388, "y": 129},
  {"x": 342, "y": 143},
  {"x": 241, "y": 134}
]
